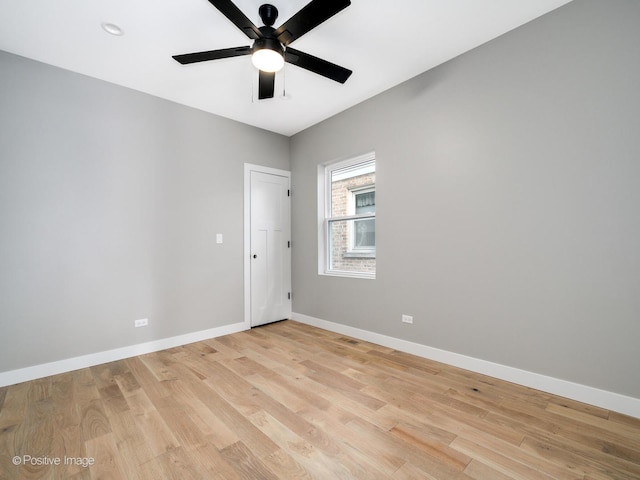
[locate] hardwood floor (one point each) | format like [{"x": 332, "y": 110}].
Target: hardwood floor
[{"x": 292, "y": 401}]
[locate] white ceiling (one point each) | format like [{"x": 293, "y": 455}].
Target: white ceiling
[{"x": 383, "y": 42}]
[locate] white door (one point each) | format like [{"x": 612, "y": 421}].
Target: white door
[{"x": 270, "y": 248}]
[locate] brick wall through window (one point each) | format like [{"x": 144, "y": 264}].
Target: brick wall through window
[{"x": 343, "y": 256}]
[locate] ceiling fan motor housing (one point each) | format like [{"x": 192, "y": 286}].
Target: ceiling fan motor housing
[
  {"x": 268, "y": 13},
  {"x": 269, "y": 41}
]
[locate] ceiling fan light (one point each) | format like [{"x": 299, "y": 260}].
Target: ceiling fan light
[{"x": 267, "y": 55}]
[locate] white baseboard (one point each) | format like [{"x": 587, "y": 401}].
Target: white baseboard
[
  {"x": 582, "y": 393},
  {"x": 67, "y": 365}
]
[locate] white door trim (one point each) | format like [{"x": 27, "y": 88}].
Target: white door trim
[{"x": 248, "y": 168}]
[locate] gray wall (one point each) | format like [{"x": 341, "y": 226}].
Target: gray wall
[
  {"x": 508, "y": 197},
  {"x": 110, "y": 200}
]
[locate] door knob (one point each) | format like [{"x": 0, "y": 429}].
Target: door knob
[{"x": 255, "y": 256}]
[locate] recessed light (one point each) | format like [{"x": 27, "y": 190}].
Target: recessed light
[{"x": 112, "y": 29}]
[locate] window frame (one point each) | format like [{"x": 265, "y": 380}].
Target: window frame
[
  {"x": 325, "y": 218},
  {"x": 355, "y": 251}
]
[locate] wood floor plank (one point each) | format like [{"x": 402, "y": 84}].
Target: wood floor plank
[
  {"x": 310, "y": 458},
  {"x": 113, "y": 399},
  {"x": 8, "y": 450},
  {"x": 135, "y": 450},
  {"x": 145, "y": 379},
  {"x": 356, "y": 455},
  {"x": 411, "y": 472},
  {"x": 295, "y": 398},
  {"x": 336, "y": 398},
  {"x": 127, "y": 383},
  {"x": 14, "y": 408},
  {"x": 407, "y": 361},
  {"x": 245, "y": 462},
  {"x": 3, "y": 394},
  {"x": 94, "y": 422},
  {"x": 479, "y": 471},
  {"x": 104, "y": 375},
  {"x": 284, "y": 466},
  {"x": 174, "y": 413},
  {"x": 149, "y": 420},
  {"x": 213, "y": 463},
  {"x": 511, "y": 462},
  {"x": 624, "y": 419},
  {"x": 342, "y": 384},
  {"x": 104, "y": 452},
  {"x": 179, "y": 464},
  {"x": 616, "y": 431},
  {"x": 206, "y": 422},
  {"x": 319, "y": 438},
  {"x": 233, "y": 419},
  {"x": 288, "y": 400},
  {"x": 581, "y": 461},
  {"x": 397, "y": 450},
  {"x": 284, "y": 437},
  {"x": 579, "y": 406},
  {"x": 435, "y": 448}
]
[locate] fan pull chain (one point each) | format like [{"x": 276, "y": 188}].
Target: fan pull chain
[
  {"x": 284, "y": 81},
  {"x": 254, "y": 80}
]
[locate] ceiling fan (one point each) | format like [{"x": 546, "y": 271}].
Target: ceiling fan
[{"x": 270, "y": 49}]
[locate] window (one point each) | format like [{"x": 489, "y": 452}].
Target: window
[
  {"x": 363, "y": 237},
  {"x": 347, "y": 217}
]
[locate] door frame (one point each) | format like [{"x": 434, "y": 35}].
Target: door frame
[{"x": 248, "y": 168}]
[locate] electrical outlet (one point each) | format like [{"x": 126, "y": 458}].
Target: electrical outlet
[
  {"x": 407, "y": 319},
  {"x": 143, "y": 322}
]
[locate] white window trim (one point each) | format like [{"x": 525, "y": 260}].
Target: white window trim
[{"x": 324, "y": 192}]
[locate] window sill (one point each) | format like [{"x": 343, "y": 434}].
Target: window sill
[
  {"x": 338, "y": 273},
  {"x": 356, "y": 254}
]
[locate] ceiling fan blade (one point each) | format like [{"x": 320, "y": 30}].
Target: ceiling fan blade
[
  {"x": 266, "y": 84},
  {"x": 212, "y": 55},
  {"x": 239, "y": 19},
  {"x": 317, "y": 65},
  {"x": 312, "y": 15}
]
